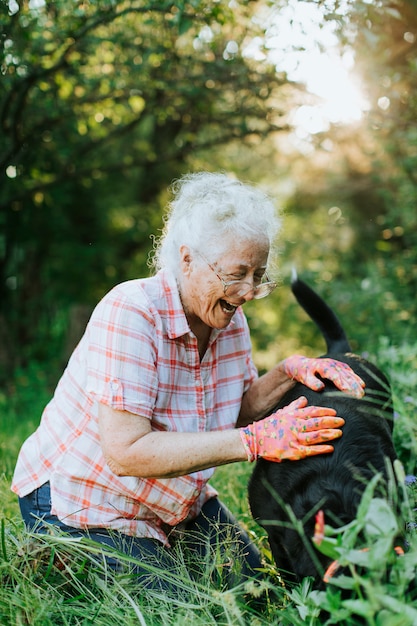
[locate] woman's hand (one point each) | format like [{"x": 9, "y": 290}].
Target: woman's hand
[
  {"x": 304, "y": 370},
  {"x": 292, "y": 433}
]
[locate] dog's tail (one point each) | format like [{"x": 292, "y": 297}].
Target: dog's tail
[{"x": 322, "y": 315}]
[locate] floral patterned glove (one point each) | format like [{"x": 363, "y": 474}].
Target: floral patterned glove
[
  {"x": 304, "y": 370},
  {"x": 291, "y": 432}
]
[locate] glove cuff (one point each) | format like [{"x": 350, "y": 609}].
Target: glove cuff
[{"x": 248, "y": 436}]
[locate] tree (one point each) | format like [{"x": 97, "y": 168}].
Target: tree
[
  {"x": 384, "y": 35},
  {"x": 358, "y": 190},
  {"x": 103, "y": 103}
]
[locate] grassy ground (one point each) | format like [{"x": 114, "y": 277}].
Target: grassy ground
[{"x": 54, "y": 580}]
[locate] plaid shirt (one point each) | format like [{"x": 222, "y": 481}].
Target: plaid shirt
[{"x": 137, "y": 354}]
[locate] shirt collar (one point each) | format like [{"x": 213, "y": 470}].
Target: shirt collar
[{"x": 176, "y": 322}]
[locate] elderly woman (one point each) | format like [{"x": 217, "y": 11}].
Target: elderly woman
[{"x": 162, "y": 389}]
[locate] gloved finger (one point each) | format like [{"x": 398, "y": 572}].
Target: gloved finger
[
  {"x": 321, "y": 449},
  {"x": 299, "y": 403},
  {"x": 342, "y": 376},
  {"x": 294, "y": 452},
  {"x": 298, "y": 452},
  {"x": 312, "y": 382},
  {"x": 327, "y": 421},
  {"x": 291, "y": 409},
  {"x": 315, "y": 411},
  {"x": 351, "y": 384},
  {"x": 349, "y": 372},
  {"x": 301, "y": 452},
  {"x": 319, "y": 436}
]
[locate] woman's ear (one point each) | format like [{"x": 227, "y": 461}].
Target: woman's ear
[{"x": 186, "y": 258}]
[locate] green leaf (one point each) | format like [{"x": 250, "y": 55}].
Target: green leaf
[
  {"x": 401, "y": 608},
  {"x": 329, "y": 547},
  {"x": 343, "y": 582},
  {"x": 380, "y": 519},
  {"x": 185, "y": 25},
  {"x": 360, "y": 607},
  {"x": 367, "y": 496},
  {"x": 386, "y": 618}
]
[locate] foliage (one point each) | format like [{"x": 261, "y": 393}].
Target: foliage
[
  {"x": 55, "y": 580},
  {"x": 105, "y": 103},
  {"x": 101, "y": 107},
  {"x": 350, "y": 218},
  {"x": 376, "y": 585},
  {"x": 400, "y": 365},
  {"x": 20, "y": 410}
]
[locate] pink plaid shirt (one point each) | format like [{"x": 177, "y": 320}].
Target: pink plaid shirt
[{"x": 137, "y": 354}]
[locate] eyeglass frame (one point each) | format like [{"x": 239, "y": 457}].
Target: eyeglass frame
[{"x": 270, "y": 283}]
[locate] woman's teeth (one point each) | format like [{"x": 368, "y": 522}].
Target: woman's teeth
[{"x": 227, "y": 307}]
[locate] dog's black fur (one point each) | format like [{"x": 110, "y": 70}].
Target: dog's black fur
[{"x": 331, "y": 482}]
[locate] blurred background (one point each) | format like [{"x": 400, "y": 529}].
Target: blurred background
[{"x": 103, "y": 104}]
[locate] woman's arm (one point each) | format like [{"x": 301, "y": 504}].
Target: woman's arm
[
  {"x": 263, "y": 395},
  {"x": 131, "y": 448}
]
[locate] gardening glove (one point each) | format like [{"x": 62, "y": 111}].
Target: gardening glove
[
  {"x": 291, "y": 432},
  {"x": 304, "y": 370}
]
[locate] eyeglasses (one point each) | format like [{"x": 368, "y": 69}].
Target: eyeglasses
[{"x": 240, "y": 288}]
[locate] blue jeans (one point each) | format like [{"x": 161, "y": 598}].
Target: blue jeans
[{"x": 213, "y": 530}]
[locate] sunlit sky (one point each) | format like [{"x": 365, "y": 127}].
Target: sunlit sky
[{"x": 303, "y": 45}]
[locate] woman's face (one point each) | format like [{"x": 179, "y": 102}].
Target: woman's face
[{"x": 202, "y": 291}]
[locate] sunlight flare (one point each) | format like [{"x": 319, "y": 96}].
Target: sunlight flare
[{"x": 300, "y": 43}]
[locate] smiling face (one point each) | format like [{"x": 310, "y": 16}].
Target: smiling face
[{"x": 205, "y": 303}]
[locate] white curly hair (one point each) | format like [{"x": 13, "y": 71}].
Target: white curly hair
[{"x": 208, "y": 209}]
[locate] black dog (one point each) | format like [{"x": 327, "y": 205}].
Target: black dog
[{"x": 332, "y": 482}]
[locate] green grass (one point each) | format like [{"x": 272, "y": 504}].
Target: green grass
[{"x": 53, "y": 580}]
